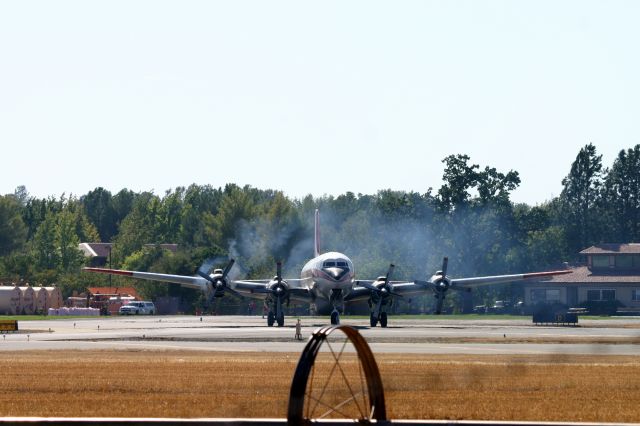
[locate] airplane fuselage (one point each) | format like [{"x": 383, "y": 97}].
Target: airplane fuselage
[{"x": 329, "y": 277}]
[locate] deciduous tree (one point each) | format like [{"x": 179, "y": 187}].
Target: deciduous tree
[{"x": 13, "y": 231}]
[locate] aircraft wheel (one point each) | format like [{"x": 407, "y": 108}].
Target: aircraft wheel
[
  {"x": 373, "y": 320},
  {"x": 383, "y": 319},
  {"x": 281, "y": 321},
  {"x": 270, "y": 319},
  {"x": 335, "y": 318}
]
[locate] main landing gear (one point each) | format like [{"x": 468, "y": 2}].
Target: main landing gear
[
  {"x": 373, "y": 319},
  {"x": 272, "y": 319}
]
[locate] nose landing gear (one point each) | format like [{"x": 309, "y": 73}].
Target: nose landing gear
[
  {"x": 337, "y": 301},
  {"x": 335, "y": 317}
]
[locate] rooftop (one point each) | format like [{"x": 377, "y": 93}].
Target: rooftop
[
  {"x": 582, "y": 274},
  {"x": 95, "y": 249},
  {"x": 610, "y": 248}
]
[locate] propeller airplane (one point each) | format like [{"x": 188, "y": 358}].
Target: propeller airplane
[{"x": 326, "y": 282}]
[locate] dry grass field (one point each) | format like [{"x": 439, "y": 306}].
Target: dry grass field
[{"x": 217, "y": 384}]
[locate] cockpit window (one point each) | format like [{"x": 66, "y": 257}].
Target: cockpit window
[{"x": 335, "y": 263}]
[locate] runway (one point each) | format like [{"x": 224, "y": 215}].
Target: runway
[{"x": 250, "y": 334}]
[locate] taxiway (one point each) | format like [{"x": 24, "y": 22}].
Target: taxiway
[{"x": 249, "y": 333}]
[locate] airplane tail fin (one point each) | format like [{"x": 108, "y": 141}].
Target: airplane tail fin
[{"x": 316, "y": 240}]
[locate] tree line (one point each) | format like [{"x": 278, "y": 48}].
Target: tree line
[{"x": 470, "y": 218}]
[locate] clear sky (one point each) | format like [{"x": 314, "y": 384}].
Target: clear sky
[{"x": 311, "y": 97}]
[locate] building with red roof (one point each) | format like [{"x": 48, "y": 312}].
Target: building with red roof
[{"x": 611, "y": 273}]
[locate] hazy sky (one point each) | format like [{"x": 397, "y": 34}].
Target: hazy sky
[{"x": 311, "y": 97}]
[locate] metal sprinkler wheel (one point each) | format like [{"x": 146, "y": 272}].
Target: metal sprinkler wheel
[{"x": 336, "y": 378}]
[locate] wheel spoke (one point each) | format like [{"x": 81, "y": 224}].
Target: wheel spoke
[
  {"x": 365, "y": 390},
  {"x": 326, "y": 384},
  {"x": 344, "y": 376},
  {"x": 335, "y": 409},
  {"x": 332, "y": 409}
]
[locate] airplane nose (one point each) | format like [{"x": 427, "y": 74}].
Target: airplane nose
[{"x": 336, "y": 273}]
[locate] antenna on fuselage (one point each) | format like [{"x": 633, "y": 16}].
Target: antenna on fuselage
[{"x": 316, "y": 239}]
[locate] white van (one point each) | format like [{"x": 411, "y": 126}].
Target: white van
[{"x": 138, "y": 308}]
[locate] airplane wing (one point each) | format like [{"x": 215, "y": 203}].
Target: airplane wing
[
  {"x": 497, "y": 279},
  {"x": 466, "y": 284},
  {"x": 461, "y": 284},
  {"x": 357, "y": 293},
  {"x": 197, "y": 283},
  {"x": 250, "y": 288}
]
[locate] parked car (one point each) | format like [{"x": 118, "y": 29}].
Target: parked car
[
  {"x": 480, "y": 309},
  {"x": 501, "y": 307},
  {"x": 138, "y": 308}
]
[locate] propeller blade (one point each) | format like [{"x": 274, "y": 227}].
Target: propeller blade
[
  {"x": 207, "y": 265},
  {"x": 228, "y": 268},
  {"x": 204, "y": 275},
  {"x": 378, "y": 306},
  {"x": 389, "y": 272},
  {"x": 203, "y": 272},
  {"x": 279, "y": 271},
  {"x": 234, "y": 292},
  {"x": 445, "y": 263},
  {"x": 439, "y": 304}
]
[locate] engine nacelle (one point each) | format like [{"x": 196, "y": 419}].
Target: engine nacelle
[
  {"x": 384, "y": 292},
  {"x": 279, "y": 289},
  {"x": 217, "y": 285},
  {"x": 440, "y": 283}
]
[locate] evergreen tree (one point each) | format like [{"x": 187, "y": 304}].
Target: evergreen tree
[
  {"x": 622, "y": 196},
  {"x": 580, "y": 198}
]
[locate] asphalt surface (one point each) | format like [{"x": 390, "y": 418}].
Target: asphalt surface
[{"x": 250, "y": 333}]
